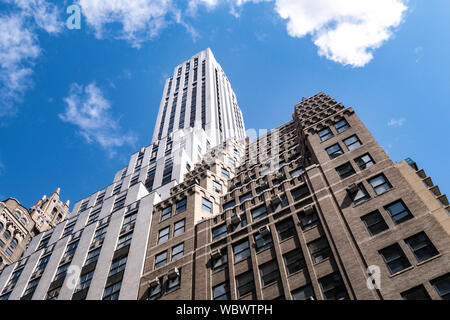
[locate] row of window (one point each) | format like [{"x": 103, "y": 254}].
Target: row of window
[
  {"x": 351, "y": 143},
  {"x": 327, "y": 133}
]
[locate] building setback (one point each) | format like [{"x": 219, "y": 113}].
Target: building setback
[{"x": 203, "y": 213}]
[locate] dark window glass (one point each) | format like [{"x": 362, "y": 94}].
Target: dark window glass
[
  {"x": 303, "y": 293},
  {"x": 399, "y": 212},
  {"x": 395, "y": 258},
  {"x": 421, "y": 246},
  {"x": 380, "y": 184},
  {"x": 334, "y": 151},
  {"x": 241, "y": 251},
  {"x": 219, "y": 232},
  {"x": 220, "y": 263},
  {"x": 286, "y": 229},
  {"x": 416, "y": 293},
  {"x": 269, "y": 272},
  {"x": 166, "y": 213},
  {"x": 360, "y": 195},
  {"x": 333, "y": 287},
  {"x": 341, "y": 125},
  {"x": 300, "y": 193},
  {"x": 319, "y": 249},
  {"x": 442, "y": 286},
  {"x": 294, "y": 261},
  {"x": 374, "y": 222},
  {"x": 245, "y": 283},
  {"x": 308, "y": 219},
  {"x": 245, "y": 197},
  {"x": 259, "y": 213},
  {"x": 262, "y": 242},
  {"x": 229, "y": 205},
  {"x": 112, "y": 292},
  {"x": 221, "y": 292},
  {"x": 160, "y": 259},
  {"x": 179, "y": 227},
  {"x": 346, "y": 170},
  {"x": 325, "y": 134},
  {"x": 364, "y": 161}
]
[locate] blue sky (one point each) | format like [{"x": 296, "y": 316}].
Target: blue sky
[{"x": 388, "y": 59}]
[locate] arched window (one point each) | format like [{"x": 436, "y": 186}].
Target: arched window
[
  {"x": 7, "y": 234},
  {"x": 23, "y": 221},
  {"x": 14, "y": 243}
]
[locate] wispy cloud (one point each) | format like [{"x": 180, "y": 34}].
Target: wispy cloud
[
  {"x": 418, "y": 52},
  {"x": 19, "y": 47},
  {"x": 396, "y": 122},
  {"x": 90, "y": 111}
]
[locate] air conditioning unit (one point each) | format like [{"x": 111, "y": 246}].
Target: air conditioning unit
[
  {"x": 276, "y": 200},
  {"x": 310, "y": 298},
  {"x": 173, "y": 273},
  {"x": 154, "y": 282},
  {"x": 264, "y": 231},
  {"x": 216, "y": 254},
  {"x": 352, "y": 188},
  {"x": 235, "y": 219},
  {"x": 308, "y": 210}
]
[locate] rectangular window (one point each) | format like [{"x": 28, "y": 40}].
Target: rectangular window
[
  {"x": 345, "y": 170},
  {"x": 31, "y": 287},
  {"x": 220, "y": 263},
  {"x": 85, "y": 281},
  {"x": 259, "y": 213},
  {"x": 166, "y": 213},
  {"x": 61, "y": 272},
  {"x": 296, "y": 172},
  {"x": 207, "y": 205},
  {"x": 395, "y": 258},
  {"x": 119, "y": 203},
  {"x": 374, "y": 222},
  {"x": 124, "y": 240},
  {"x": 308, "y": 219},
  {"x": 245, "y": 197},
  {"x": 161, "y": 259},
  {"x": 245, "y": 283},
  {"x": 422, "y": 247},
  {"x": 319, "y": 250},
  {"x": 365, "y": 161},
  {"x": 303, "y": 293},
  {"x": 300, "y": 193},
  {"x": 219, "y": 232},
  {"x": 118, "y": 265},
  {"x": 225, "y": 173},
  {"x": 399, "y": 212},
  {"x": 380, "y": 184},
  {"x": 352, "y": 142},
  {"x": 241, "y": 251},
  {"x": 71, "y": 248},
  {"x": 163, "y": 235},
  {"x": 341, "y": 125},
  {"x": 286, "y": 229},
  {"x": 181, "y": 206},
  {"x": 262, "y": 242},
  {"x": 117, "y": 189},
  {"x": 360, "y": 195},
  {"x": 92, "y": 256},
  {"x": 229, "y": 205},
  {"x": 68, "y": 229},
  {"x": 129, "y": 219},
  {"x": 45, "y": 240},
  {"x": 442, "y": 286},
  {"x": 179, "y": 227},
  {"x": 269, "y": 272},
  {"x": 241, "y": 224},
  {"x": 334, "y": 151},
  {"x": 93, "y": 216},
  {"x": 217, "y": 186},
  {"x": 325, "y": 134},
  {"x": 100, "y": 234},
  {"x": 294, "y": 261},
  {"x": 173, "y": 284},
  {"x": 112, "y": 291},
  {"x": 333, "y": 287},
  {"x": 177, "y": 251},
  {"x": 416, "y": 293},
  {"x": 221, "y": 292},
  {"x": 100, "y": 199}
]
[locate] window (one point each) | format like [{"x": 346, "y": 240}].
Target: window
[
  {"x": 14, "y": 243},
  {"x": 155, "y": 291},
  {"x": 269, "y": 272},
  {"x": 100, "y": 199},
  {"x": 360, "y": 195},
  {"x": 334, "y": 151},
  {"x": 286, "y": 229},
  {"x": 325, "y": 134},
  {"x": 245, "y": 283},
  {"x": 442, "y": 286},
  {"x": 61, "y": 272},
  {"x": 9, "y": 252},
  {"x": 245, "y": 197},
  {"x": 262, "y": 242},
  {"x": 300, "y": 193},
  {"x": 241, "y": 224},
  {"x": 85, "y": 281},
  {"x": 119, "y": 203},
  {"x": 117, "y": 189},
  {"x": 217, "y": 186},
  {"x": 231, "y": 162},
  {"x": 124, "y": 240},
  {"x": 129, "y": 219},
  {"x": 399, "y": 212},
  {"x": 380, "y": 184},
  {"x": 53, "y": 294},
  {"x": 112, "y": 291},
  {"x": 421, "y": 246},
  {"x": 173, "y": 284},
  {"x": 14, "y": 277},
  {"x": 31, "y": 287},
  {"x": 100, "y": 234},
  {"x": 319, "y": 250},
  {"x": 296, "y": 172},
  {"x": 134, "y": 181},
  {"x": 219, "y": 232},
  {"x": 163, "y": 235},
  {"x": 241, "y": 251},
  {"x": 179, "y": 227},
  {"x": 308, "y": 220},
  {"x": 160, "y": 259},
  {"x": 93, "y": 216},
  {"x": 220, "y": 263},
  {"x": 365, "y": 161},
  {"x": 225, "y": 173},
  {"x": 118, "y": 265},
  {"x": 294, "y": 261},
  {"x": 259, "y": 213},
  {"x": 229, "y": 205},
  {"x": 207, "y": 205},
  {"x": 416, "y": 293},
  {"x": 177, "y": 251},
  {"x": 166, "y": 213},
  {"x": 341, "y": 125},
  {"x": 92, "y": 256},
  {"x": 333, "y": 287},
  {"x": 68, "y": 229},
  {"x": 346, "y": 170},
  {"x": 181, "y": 206},
  {"x": 83, "y": 206},
  {"x": 352, "y": 142},
  {"x": 303, "y": 293},
  {"x": 374, "y": 222},
  {"x": 282, "y": 204},
  {"x": 71, "y": 248},
  {"x": 395, "y": 258},
  {"x": 221, "y": 292}
]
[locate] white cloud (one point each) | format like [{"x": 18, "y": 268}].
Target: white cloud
[
  {"x": 396, "y": 122},
  {"x": 346, "y": 31},
  {"x": 140, "y": 19},
  {"x": 89, "y": 110},
  {"x": 18, "y": 49}
]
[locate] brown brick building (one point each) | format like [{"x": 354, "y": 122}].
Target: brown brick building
[{"x": 303, "y": 212}]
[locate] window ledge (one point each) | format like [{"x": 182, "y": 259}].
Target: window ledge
[
  {"x": 401, "y": 271},
  {"x": 321, "y": 261},
  {"x": 429, "y": 259}
]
